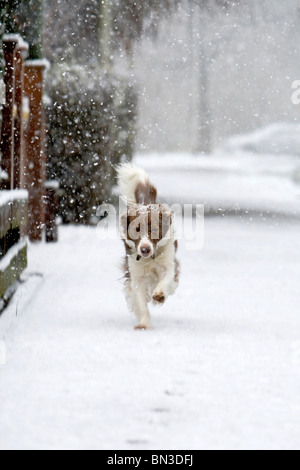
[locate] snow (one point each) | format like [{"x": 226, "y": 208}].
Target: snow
[
  {"x": 13, "y": 38},
  {"x": 227, "y": 183},
  {"x": 231, "y": 75},
  {"x": 276, "y": 139},
  {"x": 43, "y": 63},
  {"x": 52, "y": 184},
  {"x": 3, "y": 174},
  {"x": 5, "y": 262},
  {"x": 17, "y": 39},
  {"x": 219, "y": 370},
  {"x": 10, "y": 196}
]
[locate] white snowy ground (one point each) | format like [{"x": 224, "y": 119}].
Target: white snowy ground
[
  {"x": 219, "y": 370},
  {"x": 237, "y": 182}
]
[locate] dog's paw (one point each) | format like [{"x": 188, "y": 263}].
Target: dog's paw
[
  {"x": 142, "y": 326},
  {"x": 159, "y": 297}
]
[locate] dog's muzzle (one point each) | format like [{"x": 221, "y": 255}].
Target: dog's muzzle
[{"x": 145, "y": 249}]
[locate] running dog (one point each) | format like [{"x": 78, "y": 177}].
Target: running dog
[{"x": 147, "y": 228}]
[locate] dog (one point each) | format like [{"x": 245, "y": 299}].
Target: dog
[{"x": 151, "y": 270}]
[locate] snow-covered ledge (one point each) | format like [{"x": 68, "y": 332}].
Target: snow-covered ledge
[
  {"x": 9, "y": 196},
  {"x": 13, "y": 252},
  {"x": 43, "y": 63}
]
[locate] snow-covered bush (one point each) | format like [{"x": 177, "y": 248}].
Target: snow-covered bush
[{"x": 91, "y": 118}]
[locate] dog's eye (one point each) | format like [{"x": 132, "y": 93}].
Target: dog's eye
[{"x": 138, "y": 229}]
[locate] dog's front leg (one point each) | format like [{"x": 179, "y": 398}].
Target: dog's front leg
[
  {"x": 139, "y": 305},
  {"x": 165, "y": 287}
]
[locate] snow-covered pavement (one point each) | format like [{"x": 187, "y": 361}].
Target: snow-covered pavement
[
  {"x": 240, "y": 183},
  {"x": 220, "y": 369}
]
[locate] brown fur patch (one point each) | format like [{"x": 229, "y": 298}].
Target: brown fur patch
[{"x": 145, "y": 194}]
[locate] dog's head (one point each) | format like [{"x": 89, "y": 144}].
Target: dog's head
[{"x": 145, "y": 228}]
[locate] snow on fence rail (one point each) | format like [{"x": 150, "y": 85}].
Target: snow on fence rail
[{"x": 13, "y": 247}]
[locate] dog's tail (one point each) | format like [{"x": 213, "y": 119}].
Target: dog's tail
[{"x": 135, "y": 185}]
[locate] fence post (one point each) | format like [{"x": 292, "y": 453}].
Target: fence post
[
  {"x": 21, "y": 54},
  {"x": 10, "y": 43},
  {"x": 35, "y": 158},
  {"x": 51, "y": 211}
]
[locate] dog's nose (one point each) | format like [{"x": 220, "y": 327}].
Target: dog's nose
[{"x": 145, "y": 250}]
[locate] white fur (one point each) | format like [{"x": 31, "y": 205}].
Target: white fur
[{"x": 129, "y": 176}]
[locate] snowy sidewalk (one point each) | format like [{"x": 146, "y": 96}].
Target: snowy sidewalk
[
  {"x": 220, "y": 369},
  {"x": 239, "y": 184}
]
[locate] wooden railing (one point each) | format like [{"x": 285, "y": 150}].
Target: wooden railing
[{"x": 13, "y": 246}]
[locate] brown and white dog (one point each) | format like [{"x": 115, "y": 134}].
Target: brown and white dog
[{"x": 147, "y": 228}]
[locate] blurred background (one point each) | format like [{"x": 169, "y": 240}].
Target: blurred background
[{"x": 207, "y": 84}]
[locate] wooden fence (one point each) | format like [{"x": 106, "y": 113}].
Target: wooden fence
[{"x": 23, "y": 201}]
